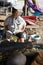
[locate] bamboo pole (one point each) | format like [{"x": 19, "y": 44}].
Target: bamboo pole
[{"x": 25, "y": 7}]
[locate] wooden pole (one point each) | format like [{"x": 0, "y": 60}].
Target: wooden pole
[{"x": 25, "y": 7}]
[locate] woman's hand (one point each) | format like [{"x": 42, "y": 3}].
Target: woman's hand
[{"x": 23, "y": 28}]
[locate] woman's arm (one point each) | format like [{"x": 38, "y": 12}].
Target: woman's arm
[
  {"x": 6, "y": 24},
  {"x": 23, "y": 28}
]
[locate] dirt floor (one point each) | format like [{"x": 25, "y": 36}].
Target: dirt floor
[{"x": 40, "y": 30}]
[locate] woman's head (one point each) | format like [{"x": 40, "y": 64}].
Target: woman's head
[{"x": 14, "y": 12}]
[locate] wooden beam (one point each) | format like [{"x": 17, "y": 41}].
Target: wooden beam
[{"x": 25, "y": 7}]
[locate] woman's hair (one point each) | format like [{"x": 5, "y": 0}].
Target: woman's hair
[{"x": 13, "y": 10}]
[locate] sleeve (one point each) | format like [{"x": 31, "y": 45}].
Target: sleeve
[
  {"x": 6, "y": 22},
  {"x": 22, "y": 21}
]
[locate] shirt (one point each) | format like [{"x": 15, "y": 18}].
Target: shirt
[{"x": 15, "y": 25}]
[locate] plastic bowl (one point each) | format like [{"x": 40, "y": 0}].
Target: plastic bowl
[{"x": 35, "y": 37}]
